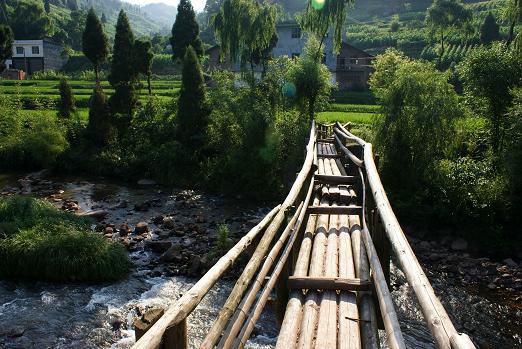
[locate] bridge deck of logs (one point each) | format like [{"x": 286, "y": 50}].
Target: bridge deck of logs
[{"x": 325, "y": 253}]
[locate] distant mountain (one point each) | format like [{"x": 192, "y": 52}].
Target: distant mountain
[{"x": 163, "y": 14}]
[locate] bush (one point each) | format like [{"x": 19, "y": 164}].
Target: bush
[{"x": 39, "y": 241}]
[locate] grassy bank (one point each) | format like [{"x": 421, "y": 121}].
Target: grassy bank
[{"x": 38, "y": 241}]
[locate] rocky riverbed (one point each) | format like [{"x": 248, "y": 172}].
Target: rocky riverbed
[{"x": 169, "y": 234}]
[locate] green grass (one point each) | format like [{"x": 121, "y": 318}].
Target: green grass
[
  {"x": 39, "y": 241},
  {"x": 359, "y": 108},
  {"x": 343, "y": 117}
]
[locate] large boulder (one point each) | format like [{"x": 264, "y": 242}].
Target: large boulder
[
  {"x": 99, "y": 215},
  {"x": 141, "y": 228},
  {"x": 459, "y": 245},
  {"x": 146, "y": 321},
  {"x": 158, "y": 246},
  {"x": 172, "y": 254}
]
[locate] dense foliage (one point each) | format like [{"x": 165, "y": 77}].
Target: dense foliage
[
  {"x": 94, "y": 42},
  {"x": 66, "y": 107},
  {"x": 41, "y": 242},
  {"x": 185, "y": 31},
  {"x": 6, "y": 43}
]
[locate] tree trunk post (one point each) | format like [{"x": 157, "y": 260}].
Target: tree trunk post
[{"x": 175, "y": 337}]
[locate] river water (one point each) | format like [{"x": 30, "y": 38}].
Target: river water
[{"x": 50, "y": 315}]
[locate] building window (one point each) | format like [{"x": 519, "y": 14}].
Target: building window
[
  {"x": 295, "y": 55},
  {"x": 35, "y": 50},
  {"x": 296, "y": 33},
  {"x": 19, "y": 50},
  {"x": 341, "y": 62},
  {"x": 354, "y": 61}
]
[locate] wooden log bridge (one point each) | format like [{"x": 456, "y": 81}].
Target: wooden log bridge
[{"x": 325, "y": 251}]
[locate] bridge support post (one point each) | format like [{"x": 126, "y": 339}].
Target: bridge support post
[{"x": 175, "y": 337}]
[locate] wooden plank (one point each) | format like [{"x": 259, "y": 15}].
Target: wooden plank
[
  {"x": 328, "y": 283},
  {"x": 325, "y": 140},
  {"x": 310, "y": 308},
  {"x": 333, "y": 156},
  {"x": 349, "y": 335},
  {"x": 334, "y": 179},
  {"x": 176, "y": 313},
  {"x": 350, "y": 210},
  {"x": 327, "y": 323},
  {"x": 176, "y": 336}
]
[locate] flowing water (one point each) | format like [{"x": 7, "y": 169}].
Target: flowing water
[{"x": 50, "y": 315}]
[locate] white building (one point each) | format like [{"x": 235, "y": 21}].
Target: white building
[{"x": 35, "y": 55}]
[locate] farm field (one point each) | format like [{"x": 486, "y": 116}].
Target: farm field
[{"x": 347, "y": 116}]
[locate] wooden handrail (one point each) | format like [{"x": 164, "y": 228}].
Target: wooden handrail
[
  {"x": 178, "y": 312},
  {"x": 439, "y": 323}
]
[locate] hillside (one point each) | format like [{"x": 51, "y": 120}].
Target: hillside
[{"x": 160, "y": 13}]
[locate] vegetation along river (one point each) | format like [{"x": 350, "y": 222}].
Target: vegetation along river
[{"x": 37, "y": 314}]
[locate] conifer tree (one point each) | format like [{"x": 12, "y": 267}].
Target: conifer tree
[
  {"x": 185, "y": 31},
  {"x": 103, "y": 18},
  {"x": 193, "y": 111},
  {"x": 489, "y": 31},
  {"x": 47, "y": 6},
  {"x": 95, "y": 44},
  {"x": 123, "y": 75},
  {"x": 6, "y": 44},
  {"x": 99, "y": 128},
  {"x": 143, "y": 59},
  {"x": 66, "y": 106}
]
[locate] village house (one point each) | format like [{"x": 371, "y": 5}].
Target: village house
[
  {"x": 350, "y": 69},
  {"x": 31, "y": 56}
]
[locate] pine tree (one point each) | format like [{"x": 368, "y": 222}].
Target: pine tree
[
  {"x": 72, "y": 5},
  {"x": 193, "y": 111},
  {"x": 94, "y": 42},
  {"x": 123, "y": 75},
  {"x": 143, "y": 56},
  {"x": 103, "y": 18},
  {"x": 100, "y": 129},
  {"x": 489, "y": 31},
  {"x": 47, "y": 6},
  {"x": 6, "y": 44},
  {"x": 185, "y": 31},
  {"x": 66, "y": 106}
]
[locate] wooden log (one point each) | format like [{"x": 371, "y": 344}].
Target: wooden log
[
  {"x": 351, "y": 210},
  {"x": 263, "y": 298},
  {"x": 328, "y": 283},
  {"x": 351, "y": 156},
  {"x": 242, "y": 312},
  {"x": 327, "y": 323},
  {"x": 325, "y": 140},
  {"x": 310, "y": 313},
  {"x": 434, "y": 313},
  {"x": 331, "y": 156},
  {"x": 175, "y": 337},
  {"x": 287, "y": 338},
  {"x": 242, "y": 283},
  {"x": 335, "y": 179},
  {"x": 368, "y": 327},
  {"x": 177, "y": 312},
  {"x": 349, "y": 334}
]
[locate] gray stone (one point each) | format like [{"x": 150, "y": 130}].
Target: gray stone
[
  {"x": 459, "y": 245},
  {"x": 149, "y": 318},
  {"x": 158, "y": 246},
  {"x": 141, "y": 228},
  {"x": 168, "y": 223},
  {"x": 173, "y": 253},
  {"x": 97, "y": 214}
]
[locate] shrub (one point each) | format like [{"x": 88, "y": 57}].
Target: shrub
[{"x": 38, "y": 241}]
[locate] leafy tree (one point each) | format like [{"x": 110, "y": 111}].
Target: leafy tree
[
  {"x": 310, "y": 77},
  {"x": 123, "y": 75},
  {"x": 95, "y": 44},
  {"x": 6, "y": 45},
  {"x": 29, "y": 21},
  {"x": 185, "y": 31},
  {"x": 444, "y": 15},
  {"x": 320, "y": 15},
  {"x": 74, "y": 29},
  {"x": 143, "y": 59},
  {"x": 489, "y": 30},
  {"x": 66, "y": 106},
  {"x": 99, "y": 128},
  {"x": 246, "y": 30},
  {"x": 488, "y": 74},
  {"x": 514, "y": 155},
  {"x": 394, "y": 26},
  {"x": 417, "y": 100},
  {"x": 513, "y": 15},
  {"x": 193, "y": 111},
  {"x": 47, "y": 6}
]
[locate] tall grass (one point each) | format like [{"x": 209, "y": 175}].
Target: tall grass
[{"x": 38, "y": 241}]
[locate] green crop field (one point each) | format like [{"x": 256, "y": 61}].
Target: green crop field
[{"x": 343, "y": 117}]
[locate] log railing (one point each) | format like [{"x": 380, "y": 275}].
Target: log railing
[
  {"x": 166, "y": 332},
  {"x": 444, "y": 333}
]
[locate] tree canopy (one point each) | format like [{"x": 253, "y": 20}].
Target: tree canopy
[
  {"x": 489, "y": 30},
  {"x": 6, "y": 44},
  {"x": 185, "y": 31},
  {"x": 29, "y": 21},
  {"x": 94, "y": 42},
  {"x": 143, "y": 56},
  {"x": 444, "y": 15}
]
